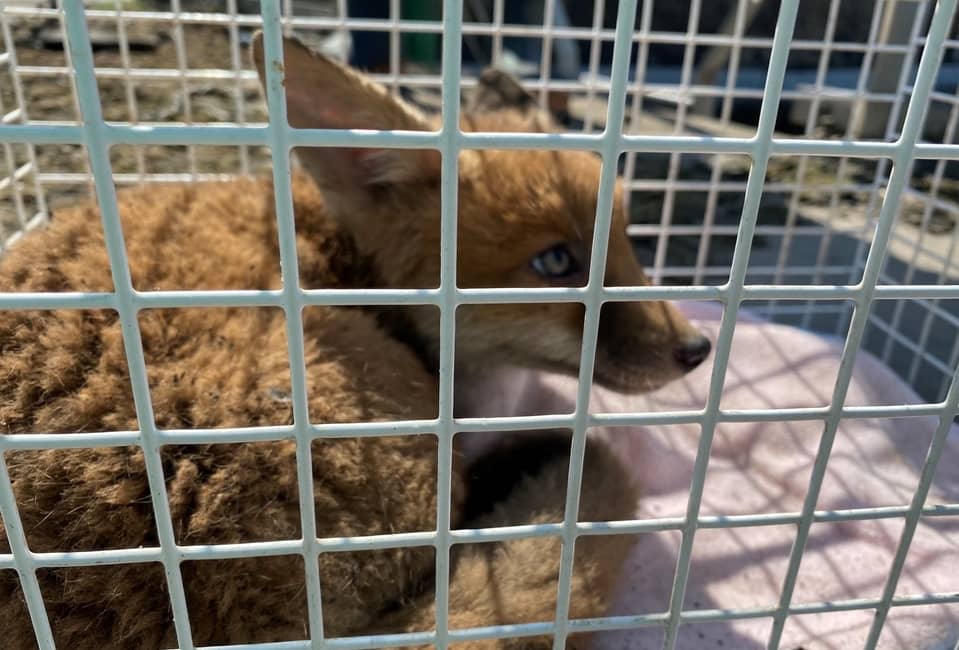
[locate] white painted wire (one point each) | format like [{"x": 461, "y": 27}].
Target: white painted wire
[
  {"x": 679, "y": 125},
  {"x": 546, "y": 52},
  {"x": 480, "y": 29},
  {"x": 81, "y": 52},
  {"x": 179, "y": 43},
  {"x": 642, "y": 59},
  {"x": 74, "y": 94},
  {"x": 851, "y": 128},
  {"x": 809, "y": 130},
  {"x": 757, "y": 173},
  {"x": 610, "y": 149},
  {"x": 395, "y": 45},
  {"x": 712, "y": 198},
  {"x": 882, "y": 169},
  {"x": 98, "y": 137},
  {"x": 280, "y": 150},
  {"x": 915, "y": 112},
  {"x": 928, "y": 320},
  {"x": 14, "y": 182},
  {"x": 450, "y": 143},
  {"x": 239, "y": 102},
  {"x": 497, "y": 26},
  {"x": 595, "y": 52},
  {"x": 922, "y": 226},
  {"x": 128, "y": 87},
  {"x": 23, "y": 560}
]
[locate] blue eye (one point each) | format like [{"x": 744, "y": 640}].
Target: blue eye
[{"x": 555, "y": 263}]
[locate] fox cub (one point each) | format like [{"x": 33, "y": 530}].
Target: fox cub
[{"x": 364, "y": 218}]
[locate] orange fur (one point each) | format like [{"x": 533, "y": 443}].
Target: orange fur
[{"x": 371, "y": 217}]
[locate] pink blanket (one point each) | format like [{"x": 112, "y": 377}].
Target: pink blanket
[{"x": 765, "y": 468}]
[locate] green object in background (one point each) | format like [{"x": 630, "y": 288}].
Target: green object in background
[{"x": 421, "y": 48}]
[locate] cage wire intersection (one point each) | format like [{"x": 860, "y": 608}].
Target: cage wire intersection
[{"x": 866, "y": 287}]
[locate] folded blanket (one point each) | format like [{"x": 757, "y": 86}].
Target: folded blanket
[{"x": 765, "y": 468}]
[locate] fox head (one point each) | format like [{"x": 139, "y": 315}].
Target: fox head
[{"x": 524, "y": 219}]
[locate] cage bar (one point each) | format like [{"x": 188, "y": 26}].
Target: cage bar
[{"x": 802, "y": 291}]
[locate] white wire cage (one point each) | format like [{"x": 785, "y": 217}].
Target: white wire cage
[{"x": 795, "y": 158}]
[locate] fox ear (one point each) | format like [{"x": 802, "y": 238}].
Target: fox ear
[
  {"x": 323, "y": 94},
  {"x": 498, "y": 90}
]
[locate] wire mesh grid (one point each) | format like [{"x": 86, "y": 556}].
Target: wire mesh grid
[{"x": 905, "y": 163}]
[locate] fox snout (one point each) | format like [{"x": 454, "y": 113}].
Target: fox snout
[
  {"x": 644, "y": 345},
  {"x": 692, "y": 352}
]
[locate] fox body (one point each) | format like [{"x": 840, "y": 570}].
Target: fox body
[{"x": 364, "y": 218}]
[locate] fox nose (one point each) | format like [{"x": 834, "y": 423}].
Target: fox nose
[{"x": 692, "y": 352}]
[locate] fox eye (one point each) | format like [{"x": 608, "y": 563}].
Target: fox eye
[{"x": 556, "y": 263}]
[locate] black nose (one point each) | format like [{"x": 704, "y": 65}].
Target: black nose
[{"x": 692, "y": 352}]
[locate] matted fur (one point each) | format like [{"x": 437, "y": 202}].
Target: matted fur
[{"x": 65, "y": 371}]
